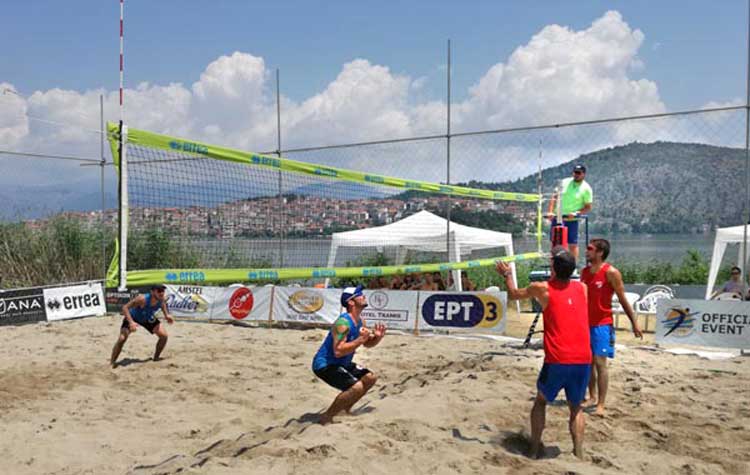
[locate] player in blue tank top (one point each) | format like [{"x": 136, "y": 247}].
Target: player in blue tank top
[
  {"x": 333, "y": 363},
  {"x": 141, "y": 311}
]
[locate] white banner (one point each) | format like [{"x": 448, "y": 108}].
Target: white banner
[
  {"x": 395, "y": 308},
  {"x": 242, "y": 303},
  {"x": 463, "y": 310},
  {"x": 191, "y": 301},
  {"x": 75, "y": 301},
  {"x": 307, "y": 305},
  {"x": 720, "y": 323},
  {"x": 236, "y": 302}
]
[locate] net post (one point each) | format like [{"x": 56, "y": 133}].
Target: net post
[
  {"x": 282, "y": 221},
  {"x": 448, "y": 203},
  {"x": 123, "y": 205}
]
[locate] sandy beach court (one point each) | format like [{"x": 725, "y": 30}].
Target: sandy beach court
[{"x": 230, "y": 399}]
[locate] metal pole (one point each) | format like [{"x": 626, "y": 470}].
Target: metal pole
[
  {"x": 448, "y": 244},
  {"x": 278, "y": 152},
  {"x": 746, "y": 204},
  {"x": 539, "y": 203},
  {"x": 101, "y": 182}
]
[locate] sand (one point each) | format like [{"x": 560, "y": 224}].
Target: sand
[{"x": 230, "y": 399}]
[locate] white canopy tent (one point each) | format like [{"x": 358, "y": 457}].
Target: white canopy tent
[
  {"x": 724, "y": 236},
  {"x": 425, "y": 232}
]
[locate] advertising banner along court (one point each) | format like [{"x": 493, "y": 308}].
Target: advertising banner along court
[
  {"x": 22, "y": 306},
  {"x": 396, "y": 309},
  {"x": 237, "y": 302},
  {"x": 306, "y": 305},
  {"x": 75, "y": 301},
  {"x": 242, "y": 303},
  {"x": 468, "y": 311},
  {"x": 719, "y": 323}
]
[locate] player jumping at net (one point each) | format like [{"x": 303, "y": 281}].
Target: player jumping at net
[
  {"x": 333, "y": 363},
  {"x": 140, "y": 311},
  {"x": 603, "y": 280},
  {"x": 567, "y": 350}
]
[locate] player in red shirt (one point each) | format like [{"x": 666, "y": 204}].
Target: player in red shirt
[
  {"x": 567, "y": 350},
  {"x": 603, "y": 280}
]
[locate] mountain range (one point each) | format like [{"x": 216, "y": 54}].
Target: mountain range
[{"x": 660, "y": 187}]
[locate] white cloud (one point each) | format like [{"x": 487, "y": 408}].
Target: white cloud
[
  {"x": 563, "y": 75},
  {"x": 419, "y": 83},
  {"x": 734, "y": 102},
  {"x": 559, "y": 75},
  {"x": 14, "y": 124},
  {"x": 364, "y": 102}
]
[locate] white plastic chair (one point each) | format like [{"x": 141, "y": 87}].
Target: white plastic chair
[
  {"x": 728, "y": 296},
  {"x": 647, "y": 303},
  {"x": 617, "y": 309}
]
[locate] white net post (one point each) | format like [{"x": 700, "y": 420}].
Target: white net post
[{"x": 124, "y": 208}]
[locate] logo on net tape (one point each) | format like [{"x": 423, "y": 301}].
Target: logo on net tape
[
  {"x": 462, "y": 310},
  {"x": 679, "y": 322},
  {"x": 189, "y": 147},
  {"x": 326, "y": 172},
  {"x": 267, "y": 161},
  {"x": 306, "y": 301},
  {"x": 241, "y": 303},
  {"x": 187, "y": 276}
]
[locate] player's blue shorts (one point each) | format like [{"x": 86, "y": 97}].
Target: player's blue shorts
[
  {"x": 572, "y": 226},
  {"x": 574, "y": 378},
  {"x": 603, "y": 340}
]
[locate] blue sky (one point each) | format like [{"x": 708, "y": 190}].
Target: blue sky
[
  {"x": 360, "y": 71},
  {"x": 694, "y": 50}
]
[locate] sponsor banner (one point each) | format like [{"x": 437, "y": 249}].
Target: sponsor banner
[
  {"x": 720, "y": 323},
  {"x": 463, "y": 310},
  {"x": 242, "y": 303},
  {"x": 115, "y": 299},
  {"x": 75, "y": 301},
  {"x": 22, "y": 306},
  {"x": 395, "y": 308},
  {"x": 306, "y": 305},
  {"x": 189, "y": 301}
]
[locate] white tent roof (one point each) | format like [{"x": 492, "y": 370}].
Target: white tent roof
[
  {"x": 423, "y": 231},
  {"x": 724, "y": 236}
]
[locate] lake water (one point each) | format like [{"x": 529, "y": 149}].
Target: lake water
[
  {"x": 625, "y": 248},
  {"x": 651, "y": 247}
]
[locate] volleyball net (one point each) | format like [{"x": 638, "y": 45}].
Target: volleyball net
[{"x": 192, "y": 212}]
